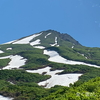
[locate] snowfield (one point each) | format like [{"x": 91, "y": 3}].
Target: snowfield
[
  {"x": 27, "y": 39},
  {"x": 5, "y": 98},
  {"x": 10, "y": 42},
  {"x": 5, "y": 57},
  {"x": 39, "y": 47},
  {"x": 16, "y": 61},
  {"x": 35, "y": 42},
  {"x": 9, "y": 49},
  {"x": 63, "y": 80},
  {"x": 55, "y": 57},
  {"x": 47, "y": 35},
  {"x": 46, "y": 69},
  {"x": 55, "y": 44},
  {"x": 1, "y": 51}
]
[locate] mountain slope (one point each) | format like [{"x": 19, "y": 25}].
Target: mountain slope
[
  {"x": 47, "y": 38},
  {"x": 87, "y": 91},
  {"x": 67, "y": 46},
  {"x": 58, "y": 58}
]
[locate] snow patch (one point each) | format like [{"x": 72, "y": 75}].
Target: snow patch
[
  {"x": 63, "y": 80},
  {"x": 10, "y": 42},
  {"x": 27, "y": 39},
  {"x": 82, "y": 55},
  {"x": 55, "y": 57},
  {"x": 16, "y": 61},
  {"x": 55, "y": 44},
  {"x": 5, "y": 57},
  {"x": 39, "y": 47},
  {"x": 47, "y": 35},
  {"x": 1, "y": 51},
  {"x": 40, "y": 71},
  {"x": 35, "y": 42},
  {"x": 9, "y": 49},
  {"x": 72, "y": 46},
  {"x": 5, "y": 98},
  {"x": 46, "y": 69},
  {"x": 86, "y": 57},
  {"x": 11, "y": 82}
]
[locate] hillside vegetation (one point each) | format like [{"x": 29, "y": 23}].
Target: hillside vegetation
[
  {"x": 87, "y": 91},
  {"x": 31, "y": 91},
  {"x": 21, "y": 85},
  {"x": 84, "y": 54}
]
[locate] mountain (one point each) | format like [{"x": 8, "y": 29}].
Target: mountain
[
  {"x": 48, "y": 38},
  {"x": 43, "y": 63}
]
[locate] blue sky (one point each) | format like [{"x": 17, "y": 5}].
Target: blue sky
[{"x": 78, "y": 18}]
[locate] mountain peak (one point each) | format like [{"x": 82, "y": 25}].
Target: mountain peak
[
  {"x": 48, "y": 38},
  {"x": 63, "y": 36},
  {"x": 50, "y": 30}
]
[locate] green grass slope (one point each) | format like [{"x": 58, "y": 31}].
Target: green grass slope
[
  {"x": 87, "y": 91},
  {"x": 25, "y": 85}
]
